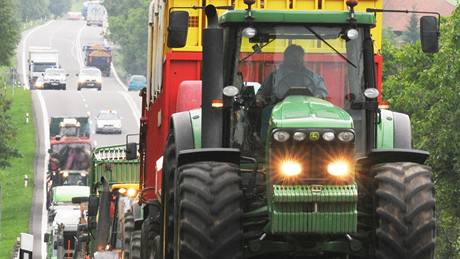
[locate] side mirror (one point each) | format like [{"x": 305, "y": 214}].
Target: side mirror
[
  {"x": 93, "y": 204},
  {"x": 67, "y": 74},
  {"x": 43, "y": 74},
  {"x": 76, "y": 74},
  {"x": 46, "y": 237},
  {"x": 429, "y": 34},
  {"x": 177, "y": 29},
  {"x": 78, "y": 200},
  {"x": 131, "y": 151}
]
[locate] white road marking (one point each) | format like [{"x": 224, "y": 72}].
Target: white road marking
[
  {"x": 46, "y": 140},
  {"x": 78, "y": 46},
  {"x": 115, "y": 74},
  {"x": 25, "y": 81}
]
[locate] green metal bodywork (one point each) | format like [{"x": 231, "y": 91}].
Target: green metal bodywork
[
  {"x": 110, "y": 163},
  {"x": 309, "y": 112},
  {"x": 385, "y": 130},
  {"x": 64, "y": 194},
  {"x": 292, "y": 16},
  {"x": 319, "y": 209}
]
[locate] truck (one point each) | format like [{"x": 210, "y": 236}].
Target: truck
[
  {"x": 63, "y": 221},
  {"x": 98, "y": 55},
  {"x": 304, "y": 176},
  {"x": 39, "y": 59},
  {"x": 96, "y": 14},
  {"x": 110, "y": 220},
  {"x": 69, "y": 152}
]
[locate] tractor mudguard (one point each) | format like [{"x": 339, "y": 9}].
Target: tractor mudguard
[
  {"x": 181, "y": 124},
  {"x": 394, "y": 131},
  {"x": 377, "y": 156},
  {"x": 229, "y": 155}
]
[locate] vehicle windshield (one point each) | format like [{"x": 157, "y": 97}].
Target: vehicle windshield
[
  {"x": 138, "y": 79},
  {"x": 90, "y": 72},
  {"x": 70, "y": 131},
  {"x": 107, "y": 116},
  {"x": 75, "y": 178},
  {"x": 54, "y": 72},
  {"x": 41, "y": 67},
  {"x": 62, "y": 148},
  {"x": 331, "y": 66}
]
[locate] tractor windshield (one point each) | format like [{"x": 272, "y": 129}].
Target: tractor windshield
[{"x": 322, "y": 59}]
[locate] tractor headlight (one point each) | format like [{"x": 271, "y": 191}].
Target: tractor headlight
[
  {"x": 65, "y": 174},
  {"x": 328, "y": 136},
  {"x": 249, "y": 32},
  {"x": 281, "y": 136},
  {"x": 346, "y": 136},
  {"x": 122, "y": 191},
  {"x": 299, "y": 136},
  {"x": 290, "y": 168},
  {"x": 339, "y": 168},
  {"x": 132, "y": 193}
]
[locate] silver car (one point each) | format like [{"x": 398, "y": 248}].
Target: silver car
[{"x": 108, "y": 122}]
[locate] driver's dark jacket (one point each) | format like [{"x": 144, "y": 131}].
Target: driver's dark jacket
[{"x": 272, "y": 89}]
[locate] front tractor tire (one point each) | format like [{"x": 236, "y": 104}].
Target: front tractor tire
[
  {"x": 208, "y": 211},
  {"x": 405, "y": 211}
]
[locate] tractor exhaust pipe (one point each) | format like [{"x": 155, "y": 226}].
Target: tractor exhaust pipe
[
  {"x": 103, "y": 223},
  {"x": 212, "y": 81}
]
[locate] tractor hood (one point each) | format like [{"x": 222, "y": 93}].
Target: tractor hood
[{"x": 309, "y": 112}]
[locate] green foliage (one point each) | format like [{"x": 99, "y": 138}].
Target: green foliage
[
  {"x": 15, "y": 199},
  {"x": 426, "y": 87},
  {"x": 128, "y": 29},
  {"x": 9, "y": 31},
  {"x": 7, "y": 131},
  {"x": 32, "y": 9},
  {"x": 59, "y": 7}
]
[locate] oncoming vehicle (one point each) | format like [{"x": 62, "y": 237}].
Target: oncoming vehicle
[
  {"x": 89, "y": 77},
  {"x": 136, "y": 82},
  {"x": 54, "y": 78},
  {"x": 70, "y": 177},
  {"x": 108, "y": 122}
]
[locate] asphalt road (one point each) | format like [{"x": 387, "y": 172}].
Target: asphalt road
[{"x": 67, "y": 37}]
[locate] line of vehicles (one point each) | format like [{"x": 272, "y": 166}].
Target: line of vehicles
[{"x": 331, "y": 177}]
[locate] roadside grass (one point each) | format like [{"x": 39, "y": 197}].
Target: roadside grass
[{"x": 15, "y": 199}]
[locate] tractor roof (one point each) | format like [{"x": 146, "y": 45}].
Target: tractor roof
[{"x": 293, "y": 16}]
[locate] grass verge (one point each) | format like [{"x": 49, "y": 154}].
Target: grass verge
[{"x": 16, "y": 200}]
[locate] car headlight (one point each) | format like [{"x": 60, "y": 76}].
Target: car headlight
[
  {"x": 346, "y": 136},
  {"x": 281, "y": 136},
  {"x": 339, "y": 168},
  {"x": 290, "y": 168}
]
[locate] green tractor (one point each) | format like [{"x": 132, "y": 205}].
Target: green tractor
[{"x": 302, "y": 175}]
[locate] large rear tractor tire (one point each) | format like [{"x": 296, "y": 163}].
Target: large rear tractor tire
[
  {"x": 150, "y": 231},
  {"x": 405, "y": 211},
  {"x": 128, "y": 228},
  {"x": 135, "y": 245},
  {"x": 208, "y": 211},
  {"x": 167, "y": 217}
]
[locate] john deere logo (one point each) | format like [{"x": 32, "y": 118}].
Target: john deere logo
[{"x": 314, "y": 136}]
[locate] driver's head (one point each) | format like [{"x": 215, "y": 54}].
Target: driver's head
[{"x": 293, "y": 56}]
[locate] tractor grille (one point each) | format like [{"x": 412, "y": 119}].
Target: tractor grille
[{"x": 313, "y": 155}]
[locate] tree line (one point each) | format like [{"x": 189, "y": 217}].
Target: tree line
[{"x": 427, "y": 88}]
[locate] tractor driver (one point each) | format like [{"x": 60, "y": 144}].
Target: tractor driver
[{"x": 291, "y": 72}]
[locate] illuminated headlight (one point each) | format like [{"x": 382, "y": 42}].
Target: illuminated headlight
[
  {"x": 83, "y": 174},
  {"x": 339, "y": 168},
  {"x": 299, "y": 136},
  {"x": 281, "y": 136},
  {"x": 346, "y": 136},
  {"x": 122, "y": 191},
  {"x": 328, "y": 136},
  {"x": 132, "y": 193},
  {"x": 65, "y": 174},
  {"x": 290, "y": 168},
  {"x": 249, "y": 32}
]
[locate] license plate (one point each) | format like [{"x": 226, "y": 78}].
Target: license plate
[
  {"x": 54, "y": 83},
  {"x": 90, "y": 84}
]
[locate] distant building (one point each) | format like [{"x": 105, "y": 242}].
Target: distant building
[{"x": 398, "y": 22}]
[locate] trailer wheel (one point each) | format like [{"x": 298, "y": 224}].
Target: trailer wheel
[
  {"x": 128, "y": 228},
  {"x": 150, "y": 230},
  {"x": 167, "y": 214},
  {"x": 208, "y": 211},
  {"x": 405, "y": 211},
  {"x": 135, "y": 245}
]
